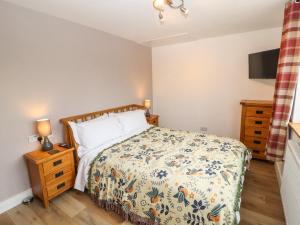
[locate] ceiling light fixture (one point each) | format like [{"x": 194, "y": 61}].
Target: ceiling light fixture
[{"x": 175, "y": 4}]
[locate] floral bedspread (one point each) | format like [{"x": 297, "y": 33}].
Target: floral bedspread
[{"x": 169, "y": 177}]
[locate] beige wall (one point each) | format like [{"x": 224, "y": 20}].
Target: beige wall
[
  {"x": 200, "y": 84},
  {"x": 54, "y": 68}
]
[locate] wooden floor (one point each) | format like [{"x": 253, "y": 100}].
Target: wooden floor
[
  {"x": 261, "y": 201},
  {"x": 261, "y": 205}
]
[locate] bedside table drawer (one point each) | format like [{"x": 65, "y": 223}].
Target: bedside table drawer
[
  {"x": 57, "y": 163},
  {"x": 60, "y": 186},
  {"x": 63, "y": 172},
  {"x": 154, "y": 122}
]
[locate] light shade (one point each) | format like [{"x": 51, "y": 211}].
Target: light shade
[
  {"x": 44, "y": 127},
  {"x": 147, "y": 103},
  {"x": 159, "y": 4}
]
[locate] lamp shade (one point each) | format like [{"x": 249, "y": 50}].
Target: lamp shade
[
  {"x": 44, "y": 127},
  {"x": 147, "y": 103},
  {"x": 159, "y": 4}
]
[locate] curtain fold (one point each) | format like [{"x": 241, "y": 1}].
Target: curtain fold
[{"x": 286, "y": 80}]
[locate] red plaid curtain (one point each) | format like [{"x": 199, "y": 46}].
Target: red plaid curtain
[{"x": 286, "y": 80}]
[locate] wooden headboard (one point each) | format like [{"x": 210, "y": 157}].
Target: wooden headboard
[{"x": 68, "y": 134}]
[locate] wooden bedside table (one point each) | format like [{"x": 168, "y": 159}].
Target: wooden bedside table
[
  {"x": 50, "y": 175},
  {"x": 153, "y": 120}
]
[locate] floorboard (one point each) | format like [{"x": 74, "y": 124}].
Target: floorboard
[{"x": 261, "y": 205}]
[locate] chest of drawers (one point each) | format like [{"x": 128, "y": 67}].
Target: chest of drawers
[
  {"x": 50, "y": 175},
  {"x": 255, "y": 123}
]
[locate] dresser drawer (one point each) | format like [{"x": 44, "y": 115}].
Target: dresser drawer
[
  {"x": 57, "y": 163},
  {"x": 255, "y": 143},
  {"x": 257, "y": 132},
  {"x": 58, "y": 187},
  {"x": 258, "y": 112},
  {"x": 62, "y": 172},
  {"x": 257, "y": 122},
  {"x": 258, "y": 154}
]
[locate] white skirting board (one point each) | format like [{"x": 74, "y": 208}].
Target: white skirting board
[
  {"x": 279, "y": 170},
  {"x": 14, "y": 200}
]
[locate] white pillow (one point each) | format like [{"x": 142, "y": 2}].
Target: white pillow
[
  {"x": 131, "y": 120},
  {"x": 74, "y": 126},
  {"x": 99, "y": 132}
]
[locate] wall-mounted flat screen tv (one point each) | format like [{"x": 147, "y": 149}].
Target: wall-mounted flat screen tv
[{"x": 263, "y": 65}]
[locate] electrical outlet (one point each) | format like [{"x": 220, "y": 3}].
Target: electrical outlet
[
  {"x": 33, "y": 138},
  {"x": 203, "y": 129}
]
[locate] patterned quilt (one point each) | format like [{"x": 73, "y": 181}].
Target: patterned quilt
[{"x": 169, "y": 177}]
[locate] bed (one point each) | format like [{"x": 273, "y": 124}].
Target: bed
[{"x": 162, "y": 176}]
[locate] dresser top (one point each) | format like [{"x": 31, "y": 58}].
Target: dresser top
[
  {"x": 264, "y": 103},
  {"x": 40, "y": 156},
  {"x": 296, "y": 128}
]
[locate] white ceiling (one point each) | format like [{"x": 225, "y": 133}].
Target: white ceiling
[{"x": 136, "y": 20}]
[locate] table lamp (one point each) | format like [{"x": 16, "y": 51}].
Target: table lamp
[
  {"x": 147, "y": 104},
  {"x": 44, "y": 130}
]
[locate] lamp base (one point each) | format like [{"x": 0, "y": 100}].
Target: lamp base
[
  {"x": 147, "y": 114},
  {"x": 47, "y": 145}
]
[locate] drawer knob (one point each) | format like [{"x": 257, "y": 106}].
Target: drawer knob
[
  {"x": 258, "y": 122},
  {"x": 59, "y": 174},
  {"x": 257, "y": 142},
  {"x": 255, "y": 151},
  {"x": 259, "y": 112},
  {"x": 60, "y": 185},
  {"x": 56, "y": 163},
  {"x": 257, "y": 132}
]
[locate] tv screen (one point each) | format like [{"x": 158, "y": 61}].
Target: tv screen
[{"x": 263, "y": 65}]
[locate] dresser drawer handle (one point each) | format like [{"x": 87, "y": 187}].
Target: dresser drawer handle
[
  {"x": 259, "y": 112},
  {"x": 257, "y": 132},
  {"x": 59, "y": 174},
  {"x": 257, "y": 142},
  {"x": 258, "y": 122},
  {"x": 60, "y": 185},
  {"x": 255, "y": 151},
  {"x": 56, "y": 163}
]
